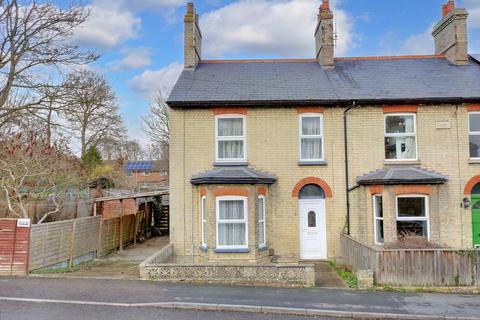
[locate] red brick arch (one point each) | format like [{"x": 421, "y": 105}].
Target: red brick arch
[
  {"x": 312, "y": 180},
  {"x": 470, "y": 184}
]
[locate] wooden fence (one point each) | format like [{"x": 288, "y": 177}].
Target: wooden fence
[
  {"x": 66, "y": 241},
  {"x": 62, "y": 241},
  {"x": 14, "y": 246},
  {"x": 414, "y": 267}
]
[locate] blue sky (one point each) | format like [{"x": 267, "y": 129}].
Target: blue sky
[{"x": 142, "y": 46}]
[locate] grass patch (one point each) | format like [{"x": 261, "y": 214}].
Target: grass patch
[
  {"x": 76, "y": 267},
  {"x": 346, "y": 274}
]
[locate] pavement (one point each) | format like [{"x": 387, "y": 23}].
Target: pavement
[{"x": 138, "y": 294}]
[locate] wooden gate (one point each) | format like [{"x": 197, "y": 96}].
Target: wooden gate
[{"x": 14, "y": 248}]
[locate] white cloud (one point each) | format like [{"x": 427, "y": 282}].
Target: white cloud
[
  {"x": 134, "y": 58},
  {"x": 419, "y": 43},
  {"x": 107, "y": 27},
  {"x": 150, "y": 82},
  {"x": 473, "y": 7},
  {"x": 265, "y": 27}
]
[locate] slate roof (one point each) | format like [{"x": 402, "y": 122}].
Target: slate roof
[
  {"x": 476, "y": 57},
  {"x": 402, "y": 175},
  {"x": 294, "y": 82},
  {"x": 233, "y": 175}
]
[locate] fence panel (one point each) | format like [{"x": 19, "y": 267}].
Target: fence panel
[
  {"x": 56, "y": 242},
  {"x": 358, "y": 255},
  {"x": 14, "y": 246},
  {"x": 426, "y": 267},
  {"x": 110, "y": 236}
]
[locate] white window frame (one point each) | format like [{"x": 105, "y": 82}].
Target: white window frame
[
  {"x": 400, "y": 135},
  {"x": 413, "y": 218},
  {"x": 264, "y": 231},
  {"x": 376, "y": 217},
  {"x": 145, "y": 173},
  {"x": 244, "y": 220},
  {"x": 302, "y": 136},
  {"x": 203, "y": 204},
  {"x": 231, "y": 138},
  {"x": 472, "y": 133}
]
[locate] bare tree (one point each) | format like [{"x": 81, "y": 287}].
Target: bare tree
[
  {"x": 157, "y": 125},
  {"x": 34, "y": 41},
  {"x": 91, "y": 109},
  {"x": 32, "y": 170}
]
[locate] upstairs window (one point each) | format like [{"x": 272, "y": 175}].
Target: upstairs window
[
  {"x": 474, "y": 134},
  {"x": 230, "y": 139},
  {"x": 311, "y": 137},
  {"x": 412, "y": 216},
  {"x": 400, "y": 137}
]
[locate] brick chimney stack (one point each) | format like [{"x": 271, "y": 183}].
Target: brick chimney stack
[
  {"x": 324, "y": 46},
  {"x": 192, "y": 38},
  {"x": 450, "y": 34}
]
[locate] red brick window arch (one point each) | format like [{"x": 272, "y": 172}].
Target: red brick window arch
[{"x": 312, "y": 180}]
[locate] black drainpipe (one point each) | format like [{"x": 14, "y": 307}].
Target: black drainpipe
[{"x": 345, "y": 142}]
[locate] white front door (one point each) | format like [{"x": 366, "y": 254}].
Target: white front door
[{"x": 313, "y": 230}]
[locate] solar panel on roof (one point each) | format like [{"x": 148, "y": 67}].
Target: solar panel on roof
[{"x": 139, "y": 166}]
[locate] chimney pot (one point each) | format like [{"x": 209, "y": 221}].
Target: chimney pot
[
  {"x": 190, "y": 7},
  {"x": 448, "y": 7},
  {"x": 325, "y": 6}
]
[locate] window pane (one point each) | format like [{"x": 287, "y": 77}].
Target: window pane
[
  {"x": 399, "y": 124},
  {"x": 312, "y": 148},
  {"x": 474, "y": 120},
  {"x": 412, "y": 228},
  {"x": 261, "y": 232},
  {"x": 230, "y": 127},
  {"x": 231, "y": 234},
  {"x": 474, "y": 146},
  {"x": 231, "y": 210},
  {"x": 311, "y": 126},
  {"x": 230, "y": 149},
  {"x": 400, "y": 148},
  {"x": 411, "y": 207},
  {"x": 311, "y": 191},
  {"x": 260, "y": 209},
  {"x": 378, "y": 207},
  {"x": 379, "y": 229},
  {"x": 312, "y": 219}
]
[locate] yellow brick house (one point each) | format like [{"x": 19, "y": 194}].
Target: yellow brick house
[{"x": 272, "y": 160}]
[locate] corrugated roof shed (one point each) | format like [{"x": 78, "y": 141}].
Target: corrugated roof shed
[{"x": 422, "y": 78}]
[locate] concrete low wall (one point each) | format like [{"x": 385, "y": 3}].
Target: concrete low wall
[{"x": 295, "y": 275}]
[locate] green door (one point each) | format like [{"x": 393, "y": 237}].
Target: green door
[{"x": 476, "y": 219}]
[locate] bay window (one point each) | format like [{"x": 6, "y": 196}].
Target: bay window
[
  {"x": 232, "y": 215},
  {"x": 474, "y": 134},
  {"x": 400, "y": 137},
  {"x": 378, "y": 218},
  {"x": 412, "y": 216},
  {"x": 261, "y": 222},
  {"x": 230, "y": 136},
  {"x": 311, "y": 137}
]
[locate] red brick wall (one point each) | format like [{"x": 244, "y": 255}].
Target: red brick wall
[
  {"x": 112, "y": 208},
  {"x": 154, "y": 177},
  {"x": 14, "y": 248}
]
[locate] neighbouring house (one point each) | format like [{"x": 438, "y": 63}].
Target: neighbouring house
[
  {"x": 146, "y": 174},
  {"x": 272, "y": 160}
]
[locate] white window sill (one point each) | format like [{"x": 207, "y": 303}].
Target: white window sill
[
  {"x": 232, "y": 250},
  {"x": 312, "y": 163},
  {"x": 401, "y": 162},
  {"x": 230, "y": 164},
  {"x": 474, "y": 161}
]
